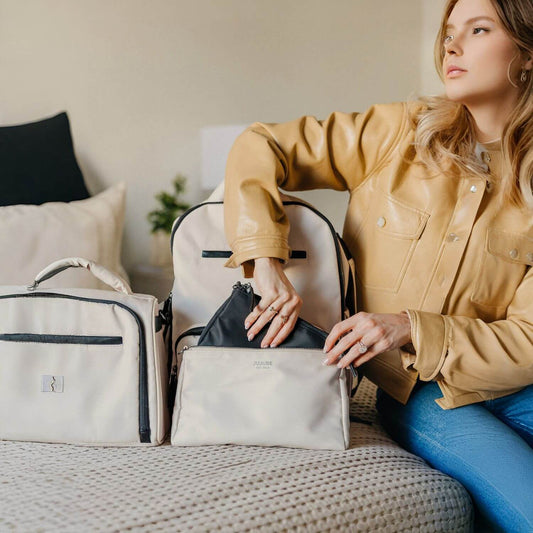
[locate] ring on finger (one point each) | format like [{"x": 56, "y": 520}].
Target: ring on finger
[
  {"x": 284, "y": 318},
  {"x": 273, "y": 310},
  {"x": 363, "y": 348}
]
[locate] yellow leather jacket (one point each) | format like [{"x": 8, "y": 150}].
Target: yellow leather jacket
[{"x": 440, "y": 248}]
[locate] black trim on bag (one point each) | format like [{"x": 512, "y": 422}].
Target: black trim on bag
[
  {"x": 144, "y": 414},
  {"x": 289, "y": 202},
  {"x": 191, "y": 331},
  {"x": 350, "y": 288},
  {"x": 226, "y": 254},
  {"x": 166, "y": 316},
  {"x": 60, "y": 339},
  {"x": 173, "y": 374},
  {"x": 216, "y": 254},
  {"x": 180, "y": 219}
]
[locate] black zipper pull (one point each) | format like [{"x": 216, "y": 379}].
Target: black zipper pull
[{"x": 245, "y": 287}]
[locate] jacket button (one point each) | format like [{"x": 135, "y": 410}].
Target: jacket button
[
  {"x": 453, "y": 237},
  {"x": 381, "y": 222},
  {"x": 513, "y": 253},
  {"x": 529, "y": 257},
  {"x": 473, "y": 188}
]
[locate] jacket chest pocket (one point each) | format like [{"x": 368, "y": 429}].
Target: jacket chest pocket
[
  {"x": 386, "y": 242},
  {"x": 504, "y": 262}
]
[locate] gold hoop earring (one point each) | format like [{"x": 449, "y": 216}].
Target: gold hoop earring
[{"x": 509, "y": 72}]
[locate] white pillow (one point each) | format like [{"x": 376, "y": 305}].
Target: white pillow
[{"x": 33, "y": 236}]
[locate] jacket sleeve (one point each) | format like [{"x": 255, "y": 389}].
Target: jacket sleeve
[
  {"x": 337, "y": 153},
  {"x": 470, "y": 355}
]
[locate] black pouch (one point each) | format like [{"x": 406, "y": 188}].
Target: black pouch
[{"x": 226, "y": 327}]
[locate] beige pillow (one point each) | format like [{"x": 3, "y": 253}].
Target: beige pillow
[{"x": 33, "y": 236}]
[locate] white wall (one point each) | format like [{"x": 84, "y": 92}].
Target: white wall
[
  {"x": 139, "y": 78},
  {"x": 430, "y": 82}
]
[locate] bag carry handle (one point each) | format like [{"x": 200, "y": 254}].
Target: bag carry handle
[{"x": 98, "y": 271}]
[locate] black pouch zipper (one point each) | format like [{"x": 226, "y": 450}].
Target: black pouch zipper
[{"x": 144, "y": 412}]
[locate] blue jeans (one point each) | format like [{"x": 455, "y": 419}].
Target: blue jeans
[{"x": 487, "y": 447}]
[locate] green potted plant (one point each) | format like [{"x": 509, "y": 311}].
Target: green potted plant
[{"x": 161, "y": 219}]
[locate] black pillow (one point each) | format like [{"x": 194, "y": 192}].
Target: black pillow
[{"x": 38, "y": 165}]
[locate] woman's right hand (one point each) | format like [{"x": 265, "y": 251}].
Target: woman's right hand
[{"x": 279, "y": 305}]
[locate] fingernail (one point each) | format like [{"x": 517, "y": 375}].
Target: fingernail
[
  {"x": 251, "y": 337},
  {"x": 273, "y": 345},
  {"x": 246, "y": 326},
  {"x": 325, "y": 361},
  {"x": 339, "y": 365},
  {"x": 324, "y": 350}
]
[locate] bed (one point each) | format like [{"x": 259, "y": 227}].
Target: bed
[{"x": 47, "y": 213}]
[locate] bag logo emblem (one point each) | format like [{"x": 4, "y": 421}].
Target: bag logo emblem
[
  {"x": 263, "y": 365},
  {"x": 51, "y": 383}
]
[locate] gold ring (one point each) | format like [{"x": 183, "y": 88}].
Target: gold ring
[
  {"x": 284, "y": 318},
  {"x": 272, "y": 310}
]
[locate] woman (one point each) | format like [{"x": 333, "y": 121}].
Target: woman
[{"x": 440, "y": 221}]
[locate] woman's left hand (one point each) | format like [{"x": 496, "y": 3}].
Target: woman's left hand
[{"x": 365, "y": 335}]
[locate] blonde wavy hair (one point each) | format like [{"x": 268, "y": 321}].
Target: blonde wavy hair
[{"x": 445, "y": 136}]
